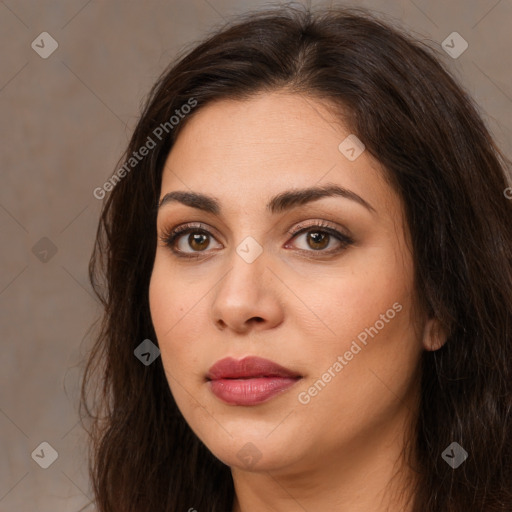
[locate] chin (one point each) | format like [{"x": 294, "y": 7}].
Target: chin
[{"x": 254, "y": 451}]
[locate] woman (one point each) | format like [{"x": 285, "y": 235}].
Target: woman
[{"x": 307, "y": 257}]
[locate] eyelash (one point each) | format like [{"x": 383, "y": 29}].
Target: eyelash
[{"x": 170, "y": 236}]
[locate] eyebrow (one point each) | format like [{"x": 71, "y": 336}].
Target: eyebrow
[{"x": 283, "y": 201}]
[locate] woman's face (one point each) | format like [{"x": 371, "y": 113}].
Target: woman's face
[{"x": 337, "y": 313}]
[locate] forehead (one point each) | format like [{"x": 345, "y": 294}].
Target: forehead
[{"x": 254, "y": 148}]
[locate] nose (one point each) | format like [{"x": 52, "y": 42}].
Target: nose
[{"x": 248, "y": 296}]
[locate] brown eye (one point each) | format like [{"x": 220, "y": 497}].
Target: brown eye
[
  {"x": 198, "y": 241},
  {"x": 317, "y": 240}
]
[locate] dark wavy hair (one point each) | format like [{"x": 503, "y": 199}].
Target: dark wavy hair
[{"x": 394, "y": 93}]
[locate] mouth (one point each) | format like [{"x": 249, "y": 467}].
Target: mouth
[{"x": 249, "y": 381}]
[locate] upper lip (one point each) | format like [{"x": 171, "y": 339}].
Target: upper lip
[{"x": 251, "y": 366}]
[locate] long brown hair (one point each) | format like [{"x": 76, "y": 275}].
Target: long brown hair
[{"x": 414, "y": 118}]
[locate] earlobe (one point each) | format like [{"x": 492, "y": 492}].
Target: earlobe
[{"x": 434, "y": 336}]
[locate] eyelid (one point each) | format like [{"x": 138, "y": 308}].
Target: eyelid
[
  {"x": 320, "y": 224},
  {"x": 172, "y": 234}
]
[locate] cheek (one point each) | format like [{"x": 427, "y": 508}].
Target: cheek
[
  {"x": 367, "y": 319},
  {"x": 371, "y": 363},
  {"x": 171, "y": 299},
  {"x": 348, "y": 304},
  {"x": 178, "y": 306},
  {"x": 355, "y": 387},
  {"x": 161, "y": 300},
  {"x": 167, "y": 303},
  {"x": 369, "y": 327}
]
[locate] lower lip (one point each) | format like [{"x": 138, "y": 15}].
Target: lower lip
[{"x": 250, "y": 391}]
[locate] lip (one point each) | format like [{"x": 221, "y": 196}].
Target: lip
[{"x": 249, "y": 381}]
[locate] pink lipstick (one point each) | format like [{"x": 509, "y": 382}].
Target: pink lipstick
[{"x": 249, "y": 381}]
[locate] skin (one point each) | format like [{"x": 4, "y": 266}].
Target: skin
[{"x": 343, "y": 450}]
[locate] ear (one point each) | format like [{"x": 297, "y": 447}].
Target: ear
[{"x": 434, "y": 335}]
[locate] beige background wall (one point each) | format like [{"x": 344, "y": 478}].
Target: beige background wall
[{"x": 64, "y": 123}]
